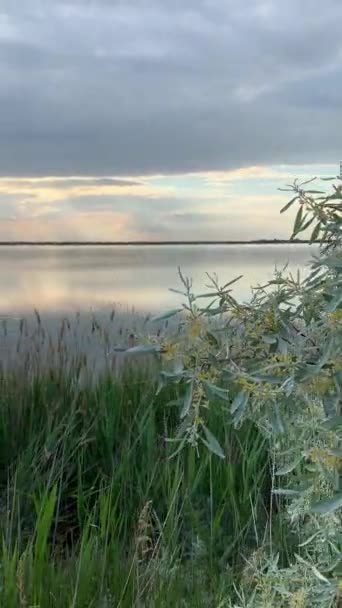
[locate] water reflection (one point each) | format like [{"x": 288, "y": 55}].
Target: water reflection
[{"x": 61, "y": 279}]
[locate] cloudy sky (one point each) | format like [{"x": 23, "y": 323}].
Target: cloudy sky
[{"x": 164, "y": 119}]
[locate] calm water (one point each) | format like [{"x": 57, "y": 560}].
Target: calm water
[{"x": 62, "y": 279}]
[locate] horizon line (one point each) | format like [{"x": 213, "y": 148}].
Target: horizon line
[{"x": 153, "y": 243}]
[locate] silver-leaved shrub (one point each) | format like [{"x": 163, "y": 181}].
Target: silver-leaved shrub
[{"x": 277, "y": 361}]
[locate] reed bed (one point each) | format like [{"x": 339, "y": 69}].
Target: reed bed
[{"x": 94, "y": 511}]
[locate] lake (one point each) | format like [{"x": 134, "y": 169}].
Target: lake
[{"x": 63, "y": 279}]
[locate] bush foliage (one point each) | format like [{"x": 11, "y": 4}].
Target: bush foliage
[{"x": 277, "y": 362}]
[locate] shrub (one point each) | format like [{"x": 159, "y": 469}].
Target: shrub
[{"x": 277, "y": 362}]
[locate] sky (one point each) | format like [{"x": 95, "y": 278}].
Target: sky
[{"x": 164, "y": 119}]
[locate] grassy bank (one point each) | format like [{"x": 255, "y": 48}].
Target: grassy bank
[{"x": 94, "y": 512}]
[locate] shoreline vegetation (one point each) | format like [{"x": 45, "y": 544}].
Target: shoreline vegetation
[
  {"x": 215, "y": 482},
  {"x": 154, "y": 243}
]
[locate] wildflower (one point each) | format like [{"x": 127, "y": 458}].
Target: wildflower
[
  {"x": 320, "y": 384},
  {"x": 270, "y": 321},
  {"x": 170, "y": 350},
  {"x": 335, "y": 317},
  {"x": 211, "y": 375},
  {"x": 324, "y": 457},
  {"x": 245, "y": 384},
  {"x": 262, "y": 390},
  {"x": 298, "y": 599},
  {"x": 196, "y": 327}
]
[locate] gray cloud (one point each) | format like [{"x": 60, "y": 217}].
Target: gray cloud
[
  {"x": 71, "y": 182},
  {"x": 103, "y": 87}
]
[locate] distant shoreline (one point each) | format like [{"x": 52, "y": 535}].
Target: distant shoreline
[{"x": 149, "y": 243}]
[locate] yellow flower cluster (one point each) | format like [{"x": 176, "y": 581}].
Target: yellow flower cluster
[
  {"x": 239, "y": 313},
  {"x": 328, "y": 460},
  {"x": 245, "y": 384},
  {"x": 262, "y": 390},
  {"x": 171, "y": 350},
  {"x": 196, "y": 328},
  {"x": 255, "y": 328},
  {"x": 335, "y": 318},
  {"x": 285, "y": 360},
  {"x": 298, "y": 599},
  {"x": 314, "y": 410},
  {"x": 270, "y": 321},
  {"x": 320, "y": 384},
  {"x": 210, "y": 375},
  {"x": 281, "y": 358},
  {"x": 254, "y": 331}
]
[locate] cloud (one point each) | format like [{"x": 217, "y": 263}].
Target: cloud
[
  {"x": 146, "y": 87},
  {"x": 235, "y": 204},
  {"x": 65, "y": 183}
]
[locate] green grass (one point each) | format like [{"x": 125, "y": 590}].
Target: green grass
[{"x": 95, "y": 512}]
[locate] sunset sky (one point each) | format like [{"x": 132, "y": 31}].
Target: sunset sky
[{"x": 164, "y": 119}]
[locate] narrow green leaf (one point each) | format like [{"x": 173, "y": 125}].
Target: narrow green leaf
[
  {"x": 288, "y": 386},
  {"x": 276, "y": 421},
  {"x": 269, "y": 339},
  {"x": 209, "y": 294},
  {"x": 285, "y": 492},
  {"x": 334, "y": 302},
  {"x": 161, "y": 385},
  {"x": 239, "y": 403},
  {"x": 314, "y": 192},
  {"x": 315, "y": 232},
  {"x": 310, "y": 539},
  {"x": 179, "y": 449},
  {"x": 44, "y": 523},
  {"x": 216, "y": 391},
  {"x": 308, "y": 181},
  {"x": 212, "y": 339},
  {"x": 142, "y": 349},
  {"x": 232, "y": 281},
  {"x": 288, "y": 468},
  {"x": 275, "y": 380},
  {"x": 175, "y": 402},
  {"x": 211, "y": 312},
  {"x": 307, "y": 224},
  {"x": 167, "y": 315},
  {"x": 298, "y": 221},
  {"x": 187, "y": 400},
  {"x": 283, "y": 346},
  {"x": 288, "y": 205},
  {"x": 316, "y": 572},
  {"x": 329, "y": 505},
  {"x": 175, "y": 375},
  {"x": 212, "y": 443}
]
